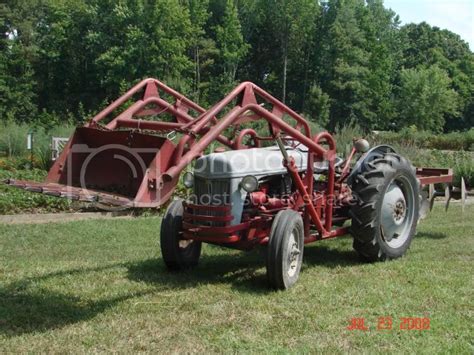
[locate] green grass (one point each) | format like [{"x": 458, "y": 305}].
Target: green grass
[
  {"x": 14, "y": 200},
  {"x": 102, "y": 286}
]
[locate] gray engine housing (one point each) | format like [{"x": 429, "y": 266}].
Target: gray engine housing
[{"x": 233, "y": 166}]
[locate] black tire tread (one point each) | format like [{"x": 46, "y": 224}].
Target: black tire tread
[
  {"x": 283, "y": 223},
  {"x": 170, "y": 226},
  {"x": 367, "y": 187}
]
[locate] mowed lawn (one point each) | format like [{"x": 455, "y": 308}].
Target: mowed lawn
[{"x": 102, "y": 286}]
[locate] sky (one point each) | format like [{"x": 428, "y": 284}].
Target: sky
[{"x": 454, "y": 15}]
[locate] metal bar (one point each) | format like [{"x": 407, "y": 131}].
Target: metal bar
[
  {"x": 293, "y": 170},
  {"x": 215, "y": 239},
  {"x": 199, "y": 217},
  {"x": 225, "y": 208},
  {"x": 205, "y": 118},
  {"x": 428, "y": 176},
  {"x": 144, "y": 124},
  {"x": 427, "y": 180},
  {"x": 283, "y": 108},
  {"x": 331, "y": 156},
  {"x": 214, "y": 230},
  {"x": 346, "y": 167},
  {"x": 227, "y": 121},
  {"x": 332, "y": 234},
  {"x": 141, "y": 104},
  {"x": 114, "y": 105},
  {"x": 125, "y": 118}
]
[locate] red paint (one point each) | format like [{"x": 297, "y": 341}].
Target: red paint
[{"x": 147, "y": 147}]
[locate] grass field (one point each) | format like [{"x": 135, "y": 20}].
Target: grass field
[{"x": 101, "y": 286}]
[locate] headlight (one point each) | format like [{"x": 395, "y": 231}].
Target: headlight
[
  {"x": 188, "y": 179},
  {"x": 249, "y": 183}
]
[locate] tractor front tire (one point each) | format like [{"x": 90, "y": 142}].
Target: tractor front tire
[
  {"x": 178, "y": 253},
  {"x": 386, "y": 209},
  {"x": 285, "y": 249}
]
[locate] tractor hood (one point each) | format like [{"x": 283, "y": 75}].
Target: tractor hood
[{"x": 254, "y": 161}]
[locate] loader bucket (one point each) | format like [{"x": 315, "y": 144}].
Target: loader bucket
[{"x": 110, "y": 167}]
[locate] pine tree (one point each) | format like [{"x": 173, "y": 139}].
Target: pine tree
[{"x": 231, "y": 43}]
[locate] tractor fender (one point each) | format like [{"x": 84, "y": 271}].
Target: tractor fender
[{"x": 361, "y": 164}]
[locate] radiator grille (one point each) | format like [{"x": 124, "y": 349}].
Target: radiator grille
[
  {"x": 214, "y": 193},
  {"x": 211, "y": 192}
]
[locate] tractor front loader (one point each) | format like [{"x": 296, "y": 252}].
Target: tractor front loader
[{"x": 280, "y": 190}]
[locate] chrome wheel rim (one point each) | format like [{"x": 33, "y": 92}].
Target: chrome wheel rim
[
  {"x": 184, "y": 243},
  {"x": 397, "y": 212},
  {"x": 293, "y": 255}
]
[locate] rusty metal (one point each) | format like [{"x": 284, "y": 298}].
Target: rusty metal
[{"x": 131, "y": 160}]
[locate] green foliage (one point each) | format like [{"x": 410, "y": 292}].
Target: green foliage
[
  {"x": 426, "y": 98},
  {"x": 344, "y": 136},
  {"x": 336, "y": 61},
  {"x": 423, "y": 139},
  {"x": 13, "y": 137},
  {"x": 428, "y": 150},
  {"x": 14, "y": 200},
  {"x": 318, "y": 106},
  {"x": 230, "y": 42}
]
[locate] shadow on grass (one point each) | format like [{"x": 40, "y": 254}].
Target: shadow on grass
[
  {"x": 431, "y": 235},
  {"x": 42, "y": 310},
  {"x": 240, "y": 270},
  {"x": 26, "y": 307},
  {"x": 243, "y": 271},
  {"x": 322, "y": 255}
]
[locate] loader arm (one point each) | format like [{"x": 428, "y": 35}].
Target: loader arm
[{"x": 131, "y": 160}]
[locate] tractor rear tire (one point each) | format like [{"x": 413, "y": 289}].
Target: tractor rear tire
[
  {"x": 178, "y": 253},
  {"x": 285, "y": 249},
  {"x": 385, "y": 214}
]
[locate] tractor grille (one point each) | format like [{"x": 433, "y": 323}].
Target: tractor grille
[
  {"x": 214, "y": 193},
  {"x": 211, "y": 192}
]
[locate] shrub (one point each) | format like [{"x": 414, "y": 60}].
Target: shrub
[
  {"x": 13, "y": 138},
  {"x": 461, "y": 162},
  {"x": 14, "y": 200},
  {"x": 428, "y": 140},
  {"x": 344, "y": 136}
]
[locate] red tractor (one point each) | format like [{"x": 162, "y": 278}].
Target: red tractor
[{"x": 282, "y": 189}]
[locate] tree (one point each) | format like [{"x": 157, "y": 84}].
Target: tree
[
  {"x": 203, "y": 48},
  {"x": 318, "y": 106},
  {"x": 345, "y": 63},
  {"x": 425, "y": 98},
  {"x": 17, "y": 86},
  {"x": 281, "y": 33},
  {"x": 356, "y": 61},
  {"x": 427, "y": 45},
  {"x": 336, "y": 61},
  {"x": 231, "y": 43}
]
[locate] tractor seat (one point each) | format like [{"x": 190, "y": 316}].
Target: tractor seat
[{"x": 323, "y": 166}]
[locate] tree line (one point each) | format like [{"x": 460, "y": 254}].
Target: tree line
[{"x": 335, "y": 61}]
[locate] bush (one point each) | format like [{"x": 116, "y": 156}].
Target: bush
[
  {"x": 428, "y": 140},
  {"x": 344, "y": 136},
  {"x": 461, "y": 162},
  {"x": 13, "y": 138},
  {"x": 14, "y": 200}
]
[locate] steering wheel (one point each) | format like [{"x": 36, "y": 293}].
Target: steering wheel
[
  {"x": 239, "y": 142},
  {"x": 291, "y": 142}
]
